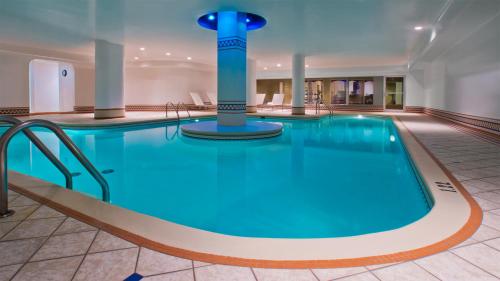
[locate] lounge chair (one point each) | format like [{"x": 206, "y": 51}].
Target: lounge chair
[
  {"x": 277, "y": 101},
  {"x": 260, "y": 99},
  {"x": 212, "y": 98},
  {"x": 197, "y": 100}
]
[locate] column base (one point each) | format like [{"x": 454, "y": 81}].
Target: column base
[
  {"x": 108, "y": 113},
  {"x": 251, "y": 108},
  {"x": 298, "y": 110}
]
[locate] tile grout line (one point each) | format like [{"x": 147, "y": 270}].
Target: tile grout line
[
  {"x": 194, "y": 271},
  {"x": 38, "y": 249},
  {"x": 18, "y": 223},
  {"x": 312, "y": 271},
  {"x": 137, "y": 259},
  {"x": 424, "y": 269},
  {"x": 476, "y": 266},
  {"x": 253, "y": 273},
  {"x": 84, "y": 255}
]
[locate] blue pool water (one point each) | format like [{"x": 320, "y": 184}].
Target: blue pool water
[{"x": 337, "y": 176}]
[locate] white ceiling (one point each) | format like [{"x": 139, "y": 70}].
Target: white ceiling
[{"x": 332, "y": 33}]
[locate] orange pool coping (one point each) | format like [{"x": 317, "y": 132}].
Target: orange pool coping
[{"x": 57, "y": 198}]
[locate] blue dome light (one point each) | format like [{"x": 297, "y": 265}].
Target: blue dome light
[{"x": 253, "y": 21}]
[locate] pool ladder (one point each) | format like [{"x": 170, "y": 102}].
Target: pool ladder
[
  {"x": 18, "y": 125},
  {"x": 177, "y": 108}
]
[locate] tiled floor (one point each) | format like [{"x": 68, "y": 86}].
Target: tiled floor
[{"x": 39, "y": 243}]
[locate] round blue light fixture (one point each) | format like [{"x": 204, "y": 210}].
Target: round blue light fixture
[{"x": 253, "y": 21}]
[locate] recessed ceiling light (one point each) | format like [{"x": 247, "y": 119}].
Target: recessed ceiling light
[
  {"x": 142, "y": 49},
  {"x": 307, "y": 65},
  {"x": 278, "y": 64},
  {"x": 265, "y": 68},
  {"x": 136, "y": 58},
  {"x": 167, "y": 54},
  {"x": 418, "y": 27},
  {"x": 211, "y": 17},
  {"x": 248, "y": 20},
  {"x": 189, "y": 58}
]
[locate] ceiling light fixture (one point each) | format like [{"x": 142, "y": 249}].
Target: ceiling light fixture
[
  {"x": 136, "y": 58},
  {"x": 189, "y": 58},
  {"x": 142, "y": 49},
  {"x": 278, "y": 65},
  {"x": 307, "y": 66},
  {"x": 418, "y": 27},
  {"x": 248, "y": 20},
  {"x": 167, "y": 54},
  {"x": 265, "y": 68},
  {"x": 211, "y": 17}
]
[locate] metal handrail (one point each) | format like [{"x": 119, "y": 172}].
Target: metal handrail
[
  {"x": 38, "y": 143},
  {"x": 4, "y": 143},
  {"x": 176, "y": 108}
]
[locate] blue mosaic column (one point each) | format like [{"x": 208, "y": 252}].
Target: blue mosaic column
[{"x": 231, "y": 68}]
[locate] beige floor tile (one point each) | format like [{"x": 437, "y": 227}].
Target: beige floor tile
[
  {"x": 494, "y": 243},
  {"x": 53, "y": 270},
  {"x": 490, "y": 196},
  {"x": 5, "y": 227},
  {"x": 45, "y": 212},
  {"x": 223, "y": 273},
  {"x": 6, "y": 272},
  {"x": 19, "y": 251},
  {"x": 200, "y": 263},
  {"x": 485, "y": 186},
  {"x": 185, "y": 275},
  {"x": 20, "y": 213},
  {"x": 33, "y": 228},
  {"x": 482, "y": 256},
  {"x": 71, "y": 225},
  {"x": 152, "y": 262},
  {"x": 367, "y": 276},
  {"x": 325, "y": 274},
  {"x": 66, "y": 245},
  {"x": 446, "y": 266},
  {"x": 109, "y": 266},
  {"x": 492, "y": 220},
  {"x": 22, "y": 201},
  {"x": 492, "y": 180},
  {"x": 377, "y": 266},
  {"x": 269, "y": 274},
  {"x": 407, "y": 271},
  {"x": 486, "y": 205},
  {"x": 106, "y": 242},
  {"x": 485, "y": 232},
  {"x": 496, "y": 212}
]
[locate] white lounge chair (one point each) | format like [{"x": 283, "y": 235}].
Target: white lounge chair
[
  {"x": 277, "y": 101},
  {"x": 212, "y": 97},
  {"x": 260, "y": 99},
  {"x": 197, "y": 100}
]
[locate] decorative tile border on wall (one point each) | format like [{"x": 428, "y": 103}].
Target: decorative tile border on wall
[
  {"x": 83, "y": 108},
  {"x": 414, "y": 109},
  {"x": 488, "y": 124},
  {"x": 14, "y": 110}
]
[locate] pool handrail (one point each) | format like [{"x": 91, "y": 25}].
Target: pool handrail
[
  {"x": 39, "y": 144},
  {"x": 176, "y": 108},
  {"x": 4, "y": 142}
]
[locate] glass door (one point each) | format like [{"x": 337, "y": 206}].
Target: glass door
[
  {"x": 338, "y": 92},
  {"x": 394, "y": 92},
  {"x": 314, "y": 91}
]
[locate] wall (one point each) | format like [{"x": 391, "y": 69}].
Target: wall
[
  {"x": 158, "y": 84},
  {"x": 272, "y": 86},
  {"x": 15, "y": 82},
  {"x": 466, "y": 77},
  {"x": 44, "y": 86}
]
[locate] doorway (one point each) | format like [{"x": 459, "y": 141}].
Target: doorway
[
  {"x": 394, "y": 93},
  {"x": 51, "y": 86}
]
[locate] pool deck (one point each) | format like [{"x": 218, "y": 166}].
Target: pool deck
[{"x": 39, "y": 240}]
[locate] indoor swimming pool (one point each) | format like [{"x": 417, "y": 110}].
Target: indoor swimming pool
[{"x": 333, "y": 177}]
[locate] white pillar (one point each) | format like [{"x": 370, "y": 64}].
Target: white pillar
[
  {"x": 231, "y": 68},
  {"x": 251, "y": 86},
  {"x": 109, "y": 95},
  {"x": 298, "y": 78}
]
